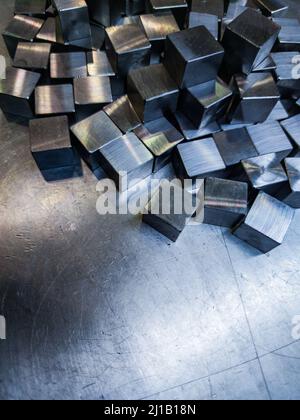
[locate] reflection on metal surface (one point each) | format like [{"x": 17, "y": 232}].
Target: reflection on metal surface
[
  {"x": 157, "y": 27},
  {"x": 98, "y": 64},
  {"x": 179, "y": 9},
  {"x": 273, "y": 7},
  {"x": 92, "y": 90},
  {"x": 123, "y": 114},
  {"x": 190, "y": 132},
  {"x": 56, "y": 99},
  {"x": 33, "y": 55},
  {"x": 68, "y": 65}
]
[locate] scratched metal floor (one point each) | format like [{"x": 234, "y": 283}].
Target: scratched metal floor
[{"x": 103, "y": 307}]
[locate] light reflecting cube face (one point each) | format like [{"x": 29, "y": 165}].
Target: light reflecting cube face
[{"x": 2, "y": 67}]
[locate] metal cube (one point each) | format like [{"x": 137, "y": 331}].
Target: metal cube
[
  {"x": 273, "y": 7},
  {"x": 161, "y": 138},
  {"x": 21, "y": 28},
  {"x": 93, "y": 133},
  {"x": 211, "y": 7},
  {"x": 235, "y": 145},
  {"x": 198, "y": 160},
  {"x": 68, "y": 65},
  {"x": 179, "y": 8},
  {"x": 98, "y": 64},
  {"x": 31, "y": 7},
  {"x": 171, "y": 217},
  {"x": 205, "y": 103},
  {"x": 266, "y": 224},
  {"x": 56, "y": 99},
  {"x": 127, "y": 48},
  {"x": 107, "y": 12},
  {"x": 190, "y": 132},
  {"x": 265, "y": 173},
  {"x": 248, "y": 40},
  {"x": 226, "y": 202},
  {"x": 270, "y": 138},
  {"x": 152, "y": 92},
  {"x": 254, "y": 99},
  {"x": 193, "y": 56},
  {"x": 290, "y": 194},
  {"x": 123, "y": 114},
  {"x": 32, "y": 55},
  {"x": 211, "y": 22},
  {"x": 292, "y": 128},
  {"x": 127, "y": 161},
  {"x": 94, "y": 90},
  {"x": 16, "y": 92},
  {"x": 50, "y": 142},
  {"x": 288, "y": 80},
  {"x": 73, "y": 17}
]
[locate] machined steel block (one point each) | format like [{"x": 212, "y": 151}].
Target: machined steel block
[
  {"x": 226, "y": 202},
  {"x": 92, "y": 90},
  {"x": 50, "y": 142},
  {"x": 290, "y": 194},
  {"x": 32, "y": 55},
  {"x": 266, "y": 224},
  {"x": 248, "y": 40},
  {"x": 211, "y": 7},
  {"x": 193, "y": 56},
  {"x": 16, "y": 92},
  {"x": 265, "y": 173},
  {"x": 152, "y": 92},
  {"x": 205, "y": 103},
  {"x": 287, "y": 73},
  {"x": 93, "y": 133},
  {"x": 161, "y": 138},
  {"x": 211, "y": 22},
  {"x": 127, "y": 48},
  {"x": 73, "y": 17},
  {"x": 254, "y": 98},
  {"x": 270, "y": 138},
  {"x": 31, "y": 7},
  {"x": 179, "y": 8},
  {"x": 98, "y": 64},
  {"x": 235, "y": 145},
  {"x": 21, "y": 28},
  {"x": 289, "y": 36},
  {"x": 107, "y": 12},
  {"x": 273, "y": 7},
  {"x": 123, "y": 114},
  {"x": 127, "y": 161},
  {"x": 198, "y": 160},
  {"x": 70, "y": 65},
  {"x": 54, "y": 99},
  {"x": 170, "y": 216},
  {"x": 292, "y": 128}
]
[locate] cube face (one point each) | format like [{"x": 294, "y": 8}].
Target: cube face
[
  {"x": 123, "y": 114},
  {"x": 92, "y": 90},
  {"x": 98, "y": 64},
  {"x": 212, "y": 7},
  {"x": 292, "y": 197},
  {"x": 205, "y": 103},
  {"x": 292, "y": 128},
  {"x": 273, "y": 7},
  {"x": 152, "y": 92},
  {"x": 68, "y": 65},
  {"x": 267, "y": 223},
  {"x": 190, "y": 132},
  {"x": 30, "y": 7},
  {"x": 289, "y": 36},
  {"x": 56, "y": 99},
  {"x": 226, "y": 202},
  {"x": 270, "y": 138},
  {"x": 157, "y": 27},
  {"x": 127, "y": 48},
  {"x": 193, "y": 56},
  {"x": 127, "y": 161},
  {"x": 32, "y": 55},
  {"x": 235, "y": 145},
  {"x": 74, "y": 19}
]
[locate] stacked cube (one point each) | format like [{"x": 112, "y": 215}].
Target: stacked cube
[{"x": 134, "y": 85}]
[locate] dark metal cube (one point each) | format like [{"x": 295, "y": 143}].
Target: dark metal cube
[
  {"x": 179, "y": 8},
  {"x": 123, "y": 114},
  {"x": 211, "y": 7},
  {"x": 31, "y": 7},
  {"x": 205, "y": 103},
  {"x": 32, "y": 55},
  {"x": 106, "y": 12},
  {"x": 56, "y": 99},
  {"x": 226, "y": 202},
  {"x": 152, "y": 92},
  {"x": 266, "y": 224},
  {"x": 127, "y": 161},
  {"x": 193, "y": 56},
  {"x": 127, "y": 48},
  {"x": 68, "y": 65},
  {"x": 16, "y": 92}
]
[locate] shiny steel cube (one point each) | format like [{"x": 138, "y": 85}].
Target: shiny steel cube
[
  {"x": 193, "y": 56},
  {"x": 226, "y": 202},
  {"x": 190, "y": 132},
  {"x": 32, "y": 55},
  {"x": 93, "y": 90},
  {"x": 127, "y": 161},
  {"x": 127, "y": 48},
  {"x": 205, "y": 103},
  {"x": 73, "y": 19},
  {"x": 68, "y": 65},
  {"x": 55, "y": 99},
  {"x": 152, "y": 92},
  {"x": 123, "y": 114},
  {"x": 266, "y": 224},
  {"x": 16, "y": 92}
]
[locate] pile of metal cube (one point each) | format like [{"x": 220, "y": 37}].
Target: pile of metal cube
[{"x": 130, "y": 86}]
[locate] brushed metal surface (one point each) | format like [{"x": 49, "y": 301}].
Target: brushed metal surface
[
  {"x": 96, "y": 131},
  {"x": 98, "y": 64},
  {"x": 200, "y": 158},
  {"x": 126, "y": 158},
  {"x": 268, "y": 64},
  {"x": 30, "y": 7},
  {"x": 193, "y": 56},
  {"x": 226, "y": 202},
  {"x": 211, "y": 22},
  {"x": 49, "y": 134},
  {"x": 266, "y": 224},
  {"x": 269, "y": 137},
  {"x": 190, "y": 132},
  {"x": 56, "y": 99},
  {"x": 291, "y": 195},
  {"x": 235, "y": 145},
  {"x": 92, "y": 90},
  {"x": 212, "y": 7},
  {"x": 279, "y": 113},
  {"x": 32, "y": 55},
  {"x": 161, "y": 125},
  {"x": 157, "y": 27},
  {"x": 285, "y": 66},
  {"x": 292, "y": 128},
  {"x": 68, "y": 65},
  {"x": 289, "y": 36},
  {"x": 123, "y": 114},
  {"x": 273, "y": 7},
  {"x": 48, "y": 32},
  {"x": 152, "y": 92}
]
